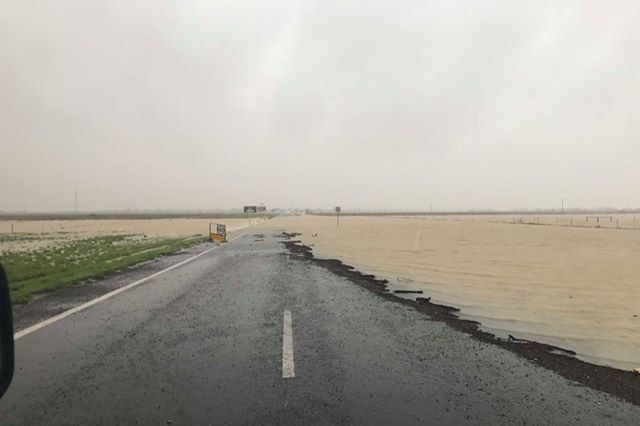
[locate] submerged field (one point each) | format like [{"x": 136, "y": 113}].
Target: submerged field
[
  {"x": 44, "y": 255},
  {"x": 571, "y": 286}
]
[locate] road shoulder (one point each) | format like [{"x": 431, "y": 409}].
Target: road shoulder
[{"x": 47, "y": 305}]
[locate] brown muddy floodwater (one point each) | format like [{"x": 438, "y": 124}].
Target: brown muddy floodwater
[{"x": 570, "y": 286}]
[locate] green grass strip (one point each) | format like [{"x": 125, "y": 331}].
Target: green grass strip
[{"x": 45, "y": 270}]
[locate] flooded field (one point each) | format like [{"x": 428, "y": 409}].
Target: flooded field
[
  {"x": 587, "y": 220},
  {"x": 576, "y": 287},
  {"x": 36, "y": 234}
]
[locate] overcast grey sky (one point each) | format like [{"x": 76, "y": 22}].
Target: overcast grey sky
[{"x": 365, "y": 104}]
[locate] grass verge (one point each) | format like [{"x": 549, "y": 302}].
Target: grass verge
[{"x": 44, "y": 270}]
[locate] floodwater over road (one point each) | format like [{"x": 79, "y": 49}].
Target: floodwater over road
[{"x": 569, "y": 286}]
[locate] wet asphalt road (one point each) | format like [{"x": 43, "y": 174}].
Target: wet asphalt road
[{"x": 203, "y": 344}]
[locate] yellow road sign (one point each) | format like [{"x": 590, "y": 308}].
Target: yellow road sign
[{"x": 217, "y": 232}]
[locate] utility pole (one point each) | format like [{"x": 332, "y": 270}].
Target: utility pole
[
  {"x": 338, "y": 209},
  {"x": 562, "y": 211}
]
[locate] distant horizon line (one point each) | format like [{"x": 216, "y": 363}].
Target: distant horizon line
[{"x": 4, "y": 214}]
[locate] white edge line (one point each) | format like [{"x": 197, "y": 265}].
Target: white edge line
[{"x": 109, "y": 295}]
